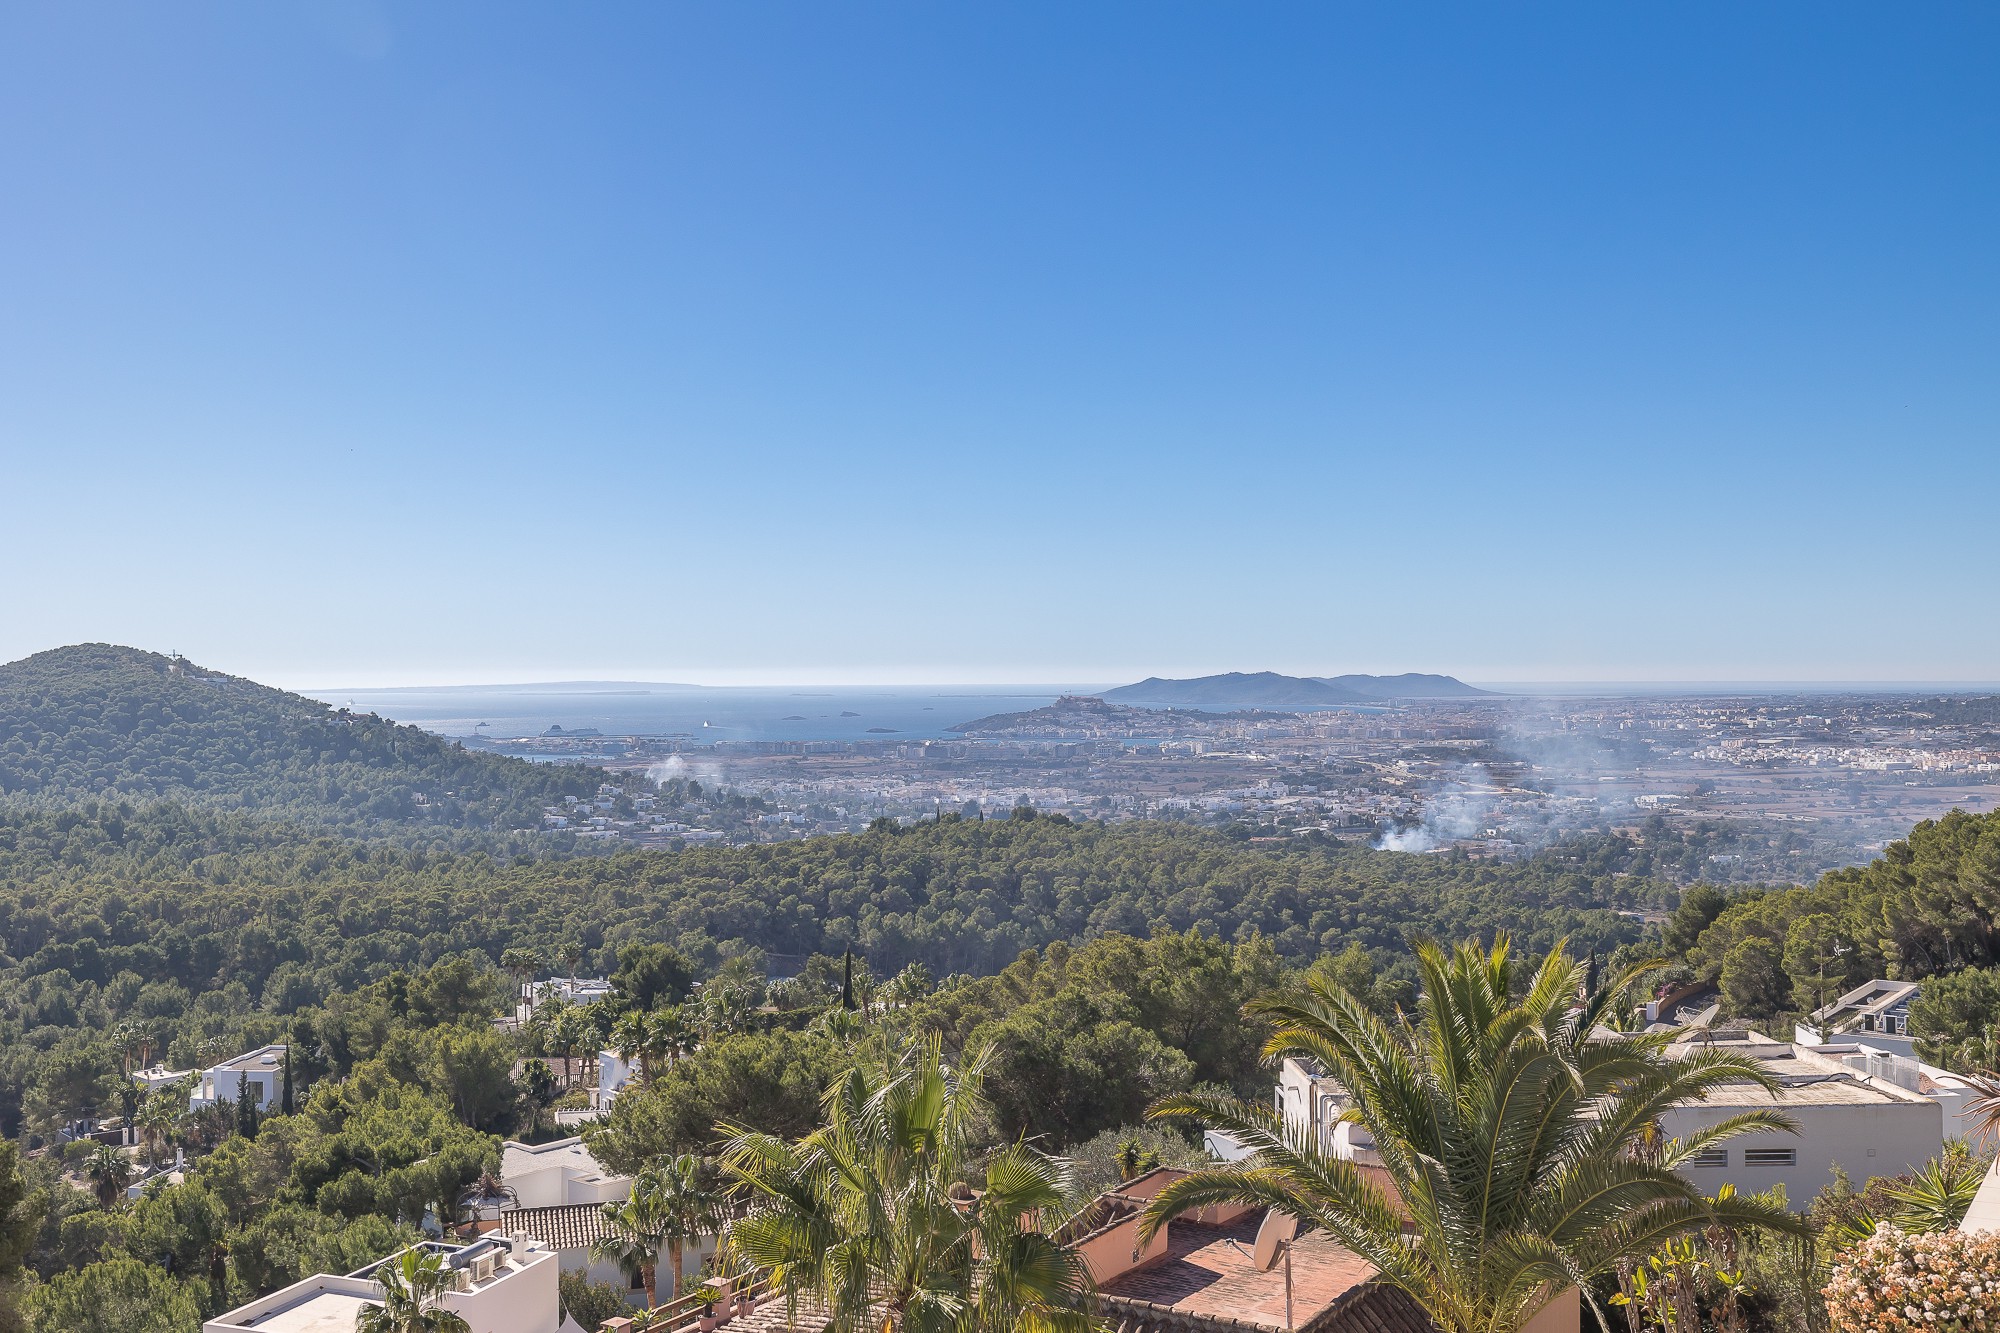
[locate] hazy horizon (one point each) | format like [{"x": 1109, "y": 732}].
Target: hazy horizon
[{"x": 1053, "y": 683}]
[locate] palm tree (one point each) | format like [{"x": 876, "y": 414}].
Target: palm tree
[
  {"x": 1519, "y": 1137},
  {"x": 865, "y": 1218},
  {"x": 628, "y": 1037},
  {"x": 158, "y": 1116},
  {"x": 488, "y": 1190},
  {"x": 667, "y": 1038},
  {"x": 635, "y": 1233},
  {"x": 520, "y": 964},
  {"x": 566, "y": 1029},
  {"x": 129, "y": 1039},
  {"x": 109, "y": 1171},
  {"x": 413, "y": 1287},
  {"x": 684, "y": 1196}
]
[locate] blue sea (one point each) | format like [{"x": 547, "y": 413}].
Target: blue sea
[{"x": 700, "y": 713}]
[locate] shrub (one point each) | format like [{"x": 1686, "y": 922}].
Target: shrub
[{"x": 1895, "y": 1282}]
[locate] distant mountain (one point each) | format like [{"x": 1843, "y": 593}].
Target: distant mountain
[
  {"x": 94, "y": 720},
  {"x": 1268, "y": 689},
  {"x": 1409, "y": 685},
  {"x": 1236, "y": 689}
]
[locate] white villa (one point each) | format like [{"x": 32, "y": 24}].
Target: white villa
[
  {"x": 570, "y": 990},
  {"x": 261, "y": 1072}
]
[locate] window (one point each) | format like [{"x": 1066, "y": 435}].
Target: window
[
  {"x": 1713, "y": 1157},
  {"x": 1770, "y": 1157}
]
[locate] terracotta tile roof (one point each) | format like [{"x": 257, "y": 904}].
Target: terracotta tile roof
[
  {"x": 1372, "y": 1307},
  {"x": 569, "y": 1226},
  {"x": 1207, "y": 1271}
]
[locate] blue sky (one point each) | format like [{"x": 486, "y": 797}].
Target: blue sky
[{"x": 344, "y": 343}]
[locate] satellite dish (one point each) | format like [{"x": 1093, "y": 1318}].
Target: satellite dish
[{"x": 1273, "y": 1234}]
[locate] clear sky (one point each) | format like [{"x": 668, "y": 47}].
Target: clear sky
[{"x": 353, "y": 343}]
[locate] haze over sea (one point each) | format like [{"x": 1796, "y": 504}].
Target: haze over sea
[
  {"x": 852, "y": 712},
  {"x": 705, "y": 713}
]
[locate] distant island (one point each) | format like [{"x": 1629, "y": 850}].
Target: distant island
[
  {"x": 1089, "y": 715},
  {"x": 1268, "y": 689}
]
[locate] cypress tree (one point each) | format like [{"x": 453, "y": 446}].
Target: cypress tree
[{"x": 246, "y": 1110}]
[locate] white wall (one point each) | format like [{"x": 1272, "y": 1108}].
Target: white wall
[
  {"x": 1304, "y": 1100},
  {"x": 1872, "y": 1139},
  {"x": 219, "y": 1085},
  {"x": 527, "y": 1300},
  {"x": 1984, "y": 1215}
]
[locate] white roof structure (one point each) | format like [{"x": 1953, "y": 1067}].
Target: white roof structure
[
  {"x": 1872, "y": 999},
  {"x": 548, "y": 1175},
  {"x": 499, "y": 1285}
]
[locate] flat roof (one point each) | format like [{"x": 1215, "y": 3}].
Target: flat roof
[
  {"x": 518, "y": 1159},
  {"x": 1204, "y": 1273},
  {"x": 1807, "y": 1078},
  {"x": 319, "y": 1312},
  {"x": 254, "y": 1060}
]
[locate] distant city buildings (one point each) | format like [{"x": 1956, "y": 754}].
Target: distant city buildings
[{"x": 1811, "y": 781}]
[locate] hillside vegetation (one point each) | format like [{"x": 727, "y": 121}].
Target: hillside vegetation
[
  {"x": 1927, "y": 909},
  {"x": 104, "y": 904},
  {"x": 94, "y": 720}
]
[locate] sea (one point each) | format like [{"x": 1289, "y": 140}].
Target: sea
[{"x": 700, "y": 713}]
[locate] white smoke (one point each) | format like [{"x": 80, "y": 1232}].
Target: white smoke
[
  {"x": 1463, "y": 807},
  {"x": 673, "y": 766}
]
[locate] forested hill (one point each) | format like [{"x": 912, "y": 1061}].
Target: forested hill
[
  {"x": 166, "y": 892},
  {"x": 94, "y": 720}
]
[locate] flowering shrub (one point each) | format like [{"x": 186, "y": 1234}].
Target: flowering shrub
[{"x": 1895, "y": 1282}]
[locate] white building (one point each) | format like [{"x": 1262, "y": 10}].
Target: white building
[
  {"x": 1847, "y": 1116},
  {"x": 560, "y": 1191},
  {"x": 613, "y": 1074},
  {"x": 550, "y": 1175},
  {"x": 570, "y": 990},
  {"x": 1307, "y": 1096},
  {"x": 156, "y": 1077},
  {"x": 1855, "y": 1115},
  {"x": 1877, "y": 1012},
  {"x": 1984, "y": 1215},
  {"x": 1885, "y": 1058},
  {"x": 499, "y": 1285},
  {"x": 261, "y": 1072}
]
